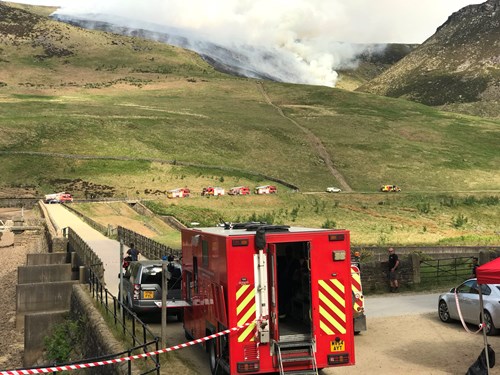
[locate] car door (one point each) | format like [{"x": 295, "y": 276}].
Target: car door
[{"x": 468, "y": 301}]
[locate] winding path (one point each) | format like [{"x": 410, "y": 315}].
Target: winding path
[{"x": 313, "y": 140}]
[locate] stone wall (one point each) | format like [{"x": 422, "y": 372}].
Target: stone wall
[
  {"x": 98, "y": 339},
  {"x": 374, "y": 262}
]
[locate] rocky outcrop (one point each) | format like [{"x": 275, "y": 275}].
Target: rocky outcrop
[{"x": 459, "y": 64}]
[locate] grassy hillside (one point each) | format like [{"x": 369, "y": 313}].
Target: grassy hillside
[
  {"x": 373, "y": 219},
  {"x": 97, "y": 113}
]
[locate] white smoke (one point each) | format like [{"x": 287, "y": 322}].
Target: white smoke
[{"x": 307, "y": 38}]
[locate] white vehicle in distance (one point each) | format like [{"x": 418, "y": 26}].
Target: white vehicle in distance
[{"x": 333, "y": 190}]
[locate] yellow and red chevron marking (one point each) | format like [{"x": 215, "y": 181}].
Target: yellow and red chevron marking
[
  {"x": 245, "y": 312},
  {"x": 357, "y": 289},
  {"x": 332, "y": 316}
]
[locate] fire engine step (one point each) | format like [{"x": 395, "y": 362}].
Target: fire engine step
[{"x": 294, "y": 354}]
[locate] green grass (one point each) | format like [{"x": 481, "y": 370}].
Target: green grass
[{"x": 124, "y": 98}]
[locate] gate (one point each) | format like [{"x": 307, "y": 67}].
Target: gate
[{"x": 445, "y": 270}]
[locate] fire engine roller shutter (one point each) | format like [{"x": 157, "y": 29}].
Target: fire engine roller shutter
[
  {"x": 245, "y": 312},
  {"x": 332, "y": 316},
  {"x": 356, "y": 288}
]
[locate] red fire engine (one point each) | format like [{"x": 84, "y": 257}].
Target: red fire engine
[{"x": 289, "y": 286}]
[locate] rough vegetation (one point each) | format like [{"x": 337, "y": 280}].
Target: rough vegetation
[
  {"x": 125, "y": 117},
  {"x": 458, "y": 65}
]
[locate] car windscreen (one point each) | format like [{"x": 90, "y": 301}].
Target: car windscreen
[
  {"x": 151, "y": 275},
  {"x": 175, "y": 276}
]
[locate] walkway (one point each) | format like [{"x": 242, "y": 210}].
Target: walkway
[{"x": 106, "y": 249}]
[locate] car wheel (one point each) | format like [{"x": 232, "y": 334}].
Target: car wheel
[
  {"x": 444, "y": 313},
  {"x": 490, "y": 327}
]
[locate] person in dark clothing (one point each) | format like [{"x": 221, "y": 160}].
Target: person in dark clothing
[
  {"x": 133, "y": 253},
  {"x": 393, "y": 270},
  {"x": 475, "y": 264}
]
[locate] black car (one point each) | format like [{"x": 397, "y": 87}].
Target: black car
[{"x": 142, "y": 287}]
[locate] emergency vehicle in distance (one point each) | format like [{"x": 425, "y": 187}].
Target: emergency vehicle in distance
[
  {"x": 266, "y": 189},
  {"x": 390, "y": 188},
  {"x": 61, "y": 197},
  {"x": 213, "y": 191},
  {"x": 289, "y": 287},
  {"x": 239, "y": 190},
  {"x": 178, "y": 193}
]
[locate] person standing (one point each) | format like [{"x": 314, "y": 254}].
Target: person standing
[
  {"x": 133, "y": 253},
  {"x": 475, "y": 264},
  {"x": 393, "y": 270}
]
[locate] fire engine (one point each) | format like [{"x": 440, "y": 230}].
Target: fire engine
[
  {"x": 358, "y": 302},
  {"x": 178, "y": 193},
  {"x": 288, "y": 287},
  {"x": 239, "y": 190},
  {"x": 61, "y": 197},
  {"x": 265, "y": 189},
  {"x": 213, "y": 191}
]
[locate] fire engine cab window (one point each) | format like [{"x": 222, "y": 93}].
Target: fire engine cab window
[{"x": 204, "y": 253}]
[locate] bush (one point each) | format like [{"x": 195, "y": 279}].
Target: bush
[
  {"x": 459, "y": 221},
  {"x": 424, "y": 208},
  {"x": 329, "y": 224},
  {"x": 60, "y": 346}
]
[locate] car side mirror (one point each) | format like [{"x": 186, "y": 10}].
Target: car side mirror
[{"x": 452, "y": 290}]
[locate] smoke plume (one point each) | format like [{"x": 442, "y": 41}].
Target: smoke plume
[{"x": 301, "y": 41}]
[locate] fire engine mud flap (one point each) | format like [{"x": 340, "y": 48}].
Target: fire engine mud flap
[{"x": 359, "y": 324}]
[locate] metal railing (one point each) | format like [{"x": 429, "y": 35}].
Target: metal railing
[
  {"x": 148, "y": 247},
  {"x": 128, "y": 322},
  {"x": 125, "y": 319}
]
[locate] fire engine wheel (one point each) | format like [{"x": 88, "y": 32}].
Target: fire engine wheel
[{"x": 212, "y": 356}]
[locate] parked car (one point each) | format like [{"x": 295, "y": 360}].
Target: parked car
[
  {"x": 333, "y": 190},
  {"x": 142, "y": 286},
  {"x": 468, "y": 301}
]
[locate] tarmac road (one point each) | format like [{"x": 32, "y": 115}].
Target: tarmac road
[{"x": 107, "y": 250}]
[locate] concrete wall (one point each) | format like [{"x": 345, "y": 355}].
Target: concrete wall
[
  {"x": 45, "y": 297},
  {"x": 44, "y": 273},
  {"x": 36, "y": 327},
  {"x": 48, "y": 258}
]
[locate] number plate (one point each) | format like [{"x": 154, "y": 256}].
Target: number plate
[
  {"x": 337, "y": 346},
  {"x": 148, "y": 294}
]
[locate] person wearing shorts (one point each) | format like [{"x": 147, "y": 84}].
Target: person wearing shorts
[{"x": 393, "y": 270}]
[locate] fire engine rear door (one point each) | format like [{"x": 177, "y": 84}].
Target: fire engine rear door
[{"x": 273, "y": 291}]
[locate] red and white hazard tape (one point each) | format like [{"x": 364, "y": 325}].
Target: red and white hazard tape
[{"x": 119, "y": 360}]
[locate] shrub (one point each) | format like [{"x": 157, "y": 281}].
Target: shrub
[
  {"x": 459, "y": 221},
  {"x": 60, "y": 346},
  {"x": 329, "y": 224},
  {"x": 424, "y": 208}
]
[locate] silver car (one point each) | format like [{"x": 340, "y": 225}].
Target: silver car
[
  {"x": 142, "y": 285},
  {"x": 468, "y": 300}
]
